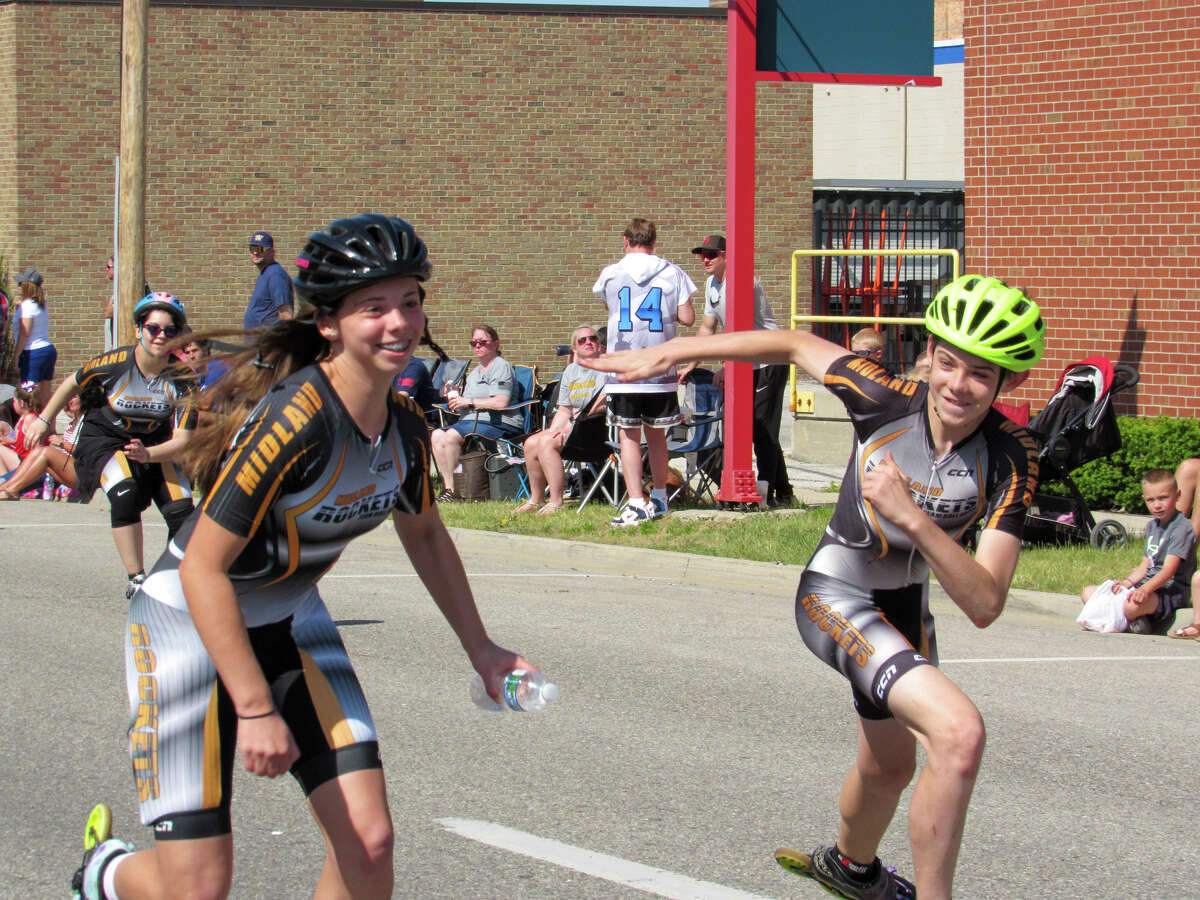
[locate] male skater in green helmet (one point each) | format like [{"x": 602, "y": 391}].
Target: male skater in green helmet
[{"x": 929, "y": 462}]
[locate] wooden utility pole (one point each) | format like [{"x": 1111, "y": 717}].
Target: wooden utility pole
[{"x": 131, "y": 202}]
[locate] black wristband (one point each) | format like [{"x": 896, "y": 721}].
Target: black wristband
[{"x": 260, "y": 715}]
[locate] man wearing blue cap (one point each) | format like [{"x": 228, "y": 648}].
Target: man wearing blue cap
[{"x": 272, "y": 297}]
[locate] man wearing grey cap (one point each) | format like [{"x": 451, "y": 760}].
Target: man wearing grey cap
[
  {"x": 769, "y": 381},
  {"x": 272, "y": 296}
]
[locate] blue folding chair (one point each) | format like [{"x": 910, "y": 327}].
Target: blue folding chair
[{"x": 700, "y": 440}]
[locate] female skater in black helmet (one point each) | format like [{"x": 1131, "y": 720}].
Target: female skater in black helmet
[{"x": 229, "y": 640}]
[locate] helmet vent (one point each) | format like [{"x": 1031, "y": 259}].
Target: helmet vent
[{"x": 981, "y": 313}]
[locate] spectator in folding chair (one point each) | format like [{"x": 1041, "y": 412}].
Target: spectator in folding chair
[
  {"x": 481, "y": 408},
  {"x": 576, "y": 397}
]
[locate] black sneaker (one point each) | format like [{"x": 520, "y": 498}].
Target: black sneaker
[
  {"x": 448, "y": 496},
  {"x": 824, "y": 866}
]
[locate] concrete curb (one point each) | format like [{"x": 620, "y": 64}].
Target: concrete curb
[
  {"x": 687, "y": 568},
  {"x": 776, "y": 579}
]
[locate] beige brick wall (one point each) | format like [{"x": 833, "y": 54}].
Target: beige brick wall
[
  {"x": 947, "y": 20},
  {"x": 8, "y": 136},
  {"x": 518, "y": 143}
]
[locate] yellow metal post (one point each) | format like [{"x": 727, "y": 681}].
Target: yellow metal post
[{"x": 796, "y": 318}]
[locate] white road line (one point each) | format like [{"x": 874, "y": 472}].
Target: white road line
[
  {"x": 598, "y": 865},
  {"x": 486, "y": 575},
  {"x": 1071, "y": 659},
  {"x": 25, "y": 525}
]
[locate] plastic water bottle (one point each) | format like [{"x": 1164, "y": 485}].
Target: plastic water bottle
[{"x": 523, "y": 690}]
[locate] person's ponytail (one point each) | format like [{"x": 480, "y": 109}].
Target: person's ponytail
[{"x": 284, "y": 348}]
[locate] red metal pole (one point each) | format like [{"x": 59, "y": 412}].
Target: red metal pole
[{"x": 737, "y": 478}]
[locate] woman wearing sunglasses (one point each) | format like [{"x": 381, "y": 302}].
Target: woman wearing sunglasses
[
  {"x": 543, "y": 451},
  {"x": 480, "y": 407},
  {"x": 133, "y": 427}
]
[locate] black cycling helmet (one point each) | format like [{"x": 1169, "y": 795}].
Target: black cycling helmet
[
  {"x": 354, "y": 252},
  {"x": 168, "y": 303}
]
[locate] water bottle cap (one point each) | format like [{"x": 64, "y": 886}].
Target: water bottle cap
[{"x": 550, "y": 692}]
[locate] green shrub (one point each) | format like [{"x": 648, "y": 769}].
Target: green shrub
[{"x": 1115, "y": 481}]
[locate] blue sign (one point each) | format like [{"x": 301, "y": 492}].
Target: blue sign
[{"x": 869, "y": 37}]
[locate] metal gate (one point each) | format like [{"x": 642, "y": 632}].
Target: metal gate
[{"x": 887, "y": 284}]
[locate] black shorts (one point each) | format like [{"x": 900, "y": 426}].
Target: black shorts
[
  {"x": 870, "y": 636},
  {"x": 1171, "y": 599},
  {"x": 655, "y": 410}
]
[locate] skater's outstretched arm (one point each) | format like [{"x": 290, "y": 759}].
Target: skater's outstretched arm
[{"x": 803, "y": 348}]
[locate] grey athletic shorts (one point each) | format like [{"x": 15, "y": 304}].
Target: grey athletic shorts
[
  {"x": 871, "y": 637},
  {"x": 183, "y": 728}
]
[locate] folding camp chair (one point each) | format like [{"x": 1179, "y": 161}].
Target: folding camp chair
[
  {"x": 446, "y": 373},
  {"x": 700, "y": 440},
  {"x": 592, "y": 447}
]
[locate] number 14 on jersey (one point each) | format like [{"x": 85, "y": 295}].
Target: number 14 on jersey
[{"x": 649, "y": 310}]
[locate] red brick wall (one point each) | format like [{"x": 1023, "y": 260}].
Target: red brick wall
[
  {"x": 518, "y": 143},
  {"x": 1082, "y": 184}
]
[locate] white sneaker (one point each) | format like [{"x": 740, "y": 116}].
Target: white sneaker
[
  {"x": 88, "y": 883},
  {"x": 135, "y": 582},
  {"x": 634, "y": 514},
  {"x": 658, "y": 508}
]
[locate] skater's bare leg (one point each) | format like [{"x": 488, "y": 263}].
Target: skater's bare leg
[
  {"x": 951, "y": 731},
  {"x": 887, "y": 758}
]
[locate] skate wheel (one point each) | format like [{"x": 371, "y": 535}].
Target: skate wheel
[{"x": 99, "y": 826}]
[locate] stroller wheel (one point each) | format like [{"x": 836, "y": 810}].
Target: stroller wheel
[{"x": 1109, "y": 534}]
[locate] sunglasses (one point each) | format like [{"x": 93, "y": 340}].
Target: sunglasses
[
  {"x": 155, "y": 330},
  {"x": 708, "y": 254},
  {"x": 588, "y": 339},
  {"x": 480, "y": 343},
  {"x": 257, "y": 249}
]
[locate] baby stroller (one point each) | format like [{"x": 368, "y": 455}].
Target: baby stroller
[{"x": 1077, "y": 425}]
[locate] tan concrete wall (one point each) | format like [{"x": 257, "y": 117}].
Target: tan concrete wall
[{"x": 890, "y": 133}]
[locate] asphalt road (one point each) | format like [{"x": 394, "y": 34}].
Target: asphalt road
[{"x": 694, "y": 734}]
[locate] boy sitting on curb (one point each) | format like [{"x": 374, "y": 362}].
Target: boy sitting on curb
[{"x": 1161, "y": 583}]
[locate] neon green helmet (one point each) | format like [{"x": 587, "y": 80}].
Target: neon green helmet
[{"x": 989, "y": 319}]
